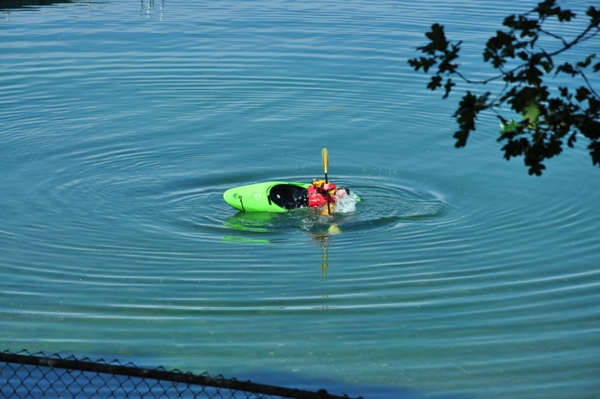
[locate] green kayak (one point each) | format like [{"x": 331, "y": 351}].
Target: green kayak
[{"x": 274, "y": 196}]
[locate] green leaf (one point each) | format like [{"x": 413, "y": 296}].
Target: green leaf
[
  {"x": 534, "y": 75},
  {"x": 523, "y": 55},
  {"x": 461, "y": 137},
  {"x": 531, "y": 113},
  {"x": 567, "y": 68},
  {"x": 565, "y": 15},
  {"x": 572, "y": 139},
  {"x": 594, "y": 148},
  {"x": 436, "y": 81},
  {"x": 508, "y": 127},
  {"x": 546, "y": 8},
  {"x": 547, "y": 66},
  {"x": 582, "y": 94},
  {"x": 594, "y": 15},
  {"x": 448, "y": 86},
  {"x": 509, "y": 21},
  {"x": 588, "y": 61},
  {"x": 423, "y": 62},
  {"x": 547, "y": 118},
  {"x": 437, "y": 37}
]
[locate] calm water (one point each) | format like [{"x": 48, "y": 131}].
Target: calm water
[{"x": 122, "y": 123}]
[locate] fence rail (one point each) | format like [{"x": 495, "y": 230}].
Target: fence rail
[{"x": 24, "y": 375}]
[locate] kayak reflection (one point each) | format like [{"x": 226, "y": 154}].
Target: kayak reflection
[
  {"x": 306, "y": 219},
  {"x": 320, "y": 230},
  {"x": 251, "y": 221}
]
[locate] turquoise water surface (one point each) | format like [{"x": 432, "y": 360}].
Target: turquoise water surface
[{"x": 122, "y": 123}]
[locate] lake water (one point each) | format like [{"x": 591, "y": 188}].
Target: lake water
[{"x": 122, "y": 123}]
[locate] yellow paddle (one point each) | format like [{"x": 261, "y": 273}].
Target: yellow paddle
[{"x": 325, "y": 156}]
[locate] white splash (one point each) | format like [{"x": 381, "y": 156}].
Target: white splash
[{"x": 346, "y": 204}]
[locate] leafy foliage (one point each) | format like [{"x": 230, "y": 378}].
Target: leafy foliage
[{"x": 548, "y": 115}]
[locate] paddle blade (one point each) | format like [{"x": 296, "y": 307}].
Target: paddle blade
[{"x": 325, "y": 155}]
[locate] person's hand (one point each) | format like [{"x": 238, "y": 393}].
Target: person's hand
[{"x": 326, "y": 186}]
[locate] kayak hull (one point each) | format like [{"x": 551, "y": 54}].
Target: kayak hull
[{"x": 257, "y": 197}]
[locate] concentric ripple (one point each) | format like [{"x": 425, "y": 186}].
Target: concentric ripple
[{"x": 384, "y": 205}]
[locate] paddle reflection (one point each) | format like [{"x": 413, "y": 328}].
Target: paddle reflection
[{"x": 321, "y": 235}]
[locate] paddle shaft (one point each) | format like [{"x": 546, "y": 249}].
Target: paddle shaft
[{"x": 325, "y": 156}]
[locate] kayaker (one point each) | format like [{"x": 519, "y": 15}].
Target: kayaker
[{"x": 317, "y": 192}]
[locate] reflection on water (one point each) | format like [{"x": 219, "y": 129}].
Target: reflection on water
[
  {"x": 320, "y": 228},
  {"x": 152, "y": 9},
  {"x": 239, "y": 239},
  {"x": 322, "y": 240},
  {"x": 321, "y": 236},
  {"x": 251, "y": 221}
]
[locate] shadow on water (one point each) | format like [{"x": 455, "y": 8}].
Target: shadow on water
[
  {"x": 30, "y": 4},
  {"x": 349, "y": 389}
]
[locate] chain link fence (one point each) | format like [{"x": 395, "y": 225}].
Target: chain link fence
[{"x": 24, "y": 375}]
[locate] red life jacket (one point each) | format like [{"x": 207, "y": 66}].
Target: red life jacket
[{"x": 317, "y": 197}]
